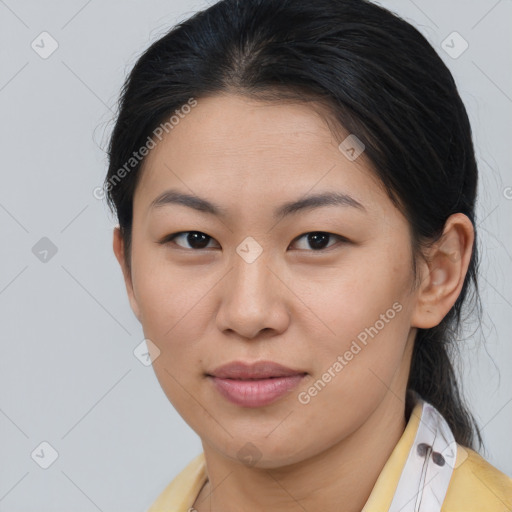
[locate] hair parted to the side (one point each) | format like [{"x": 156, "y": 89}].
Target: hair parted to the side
[{"x": 380, "y": 79}]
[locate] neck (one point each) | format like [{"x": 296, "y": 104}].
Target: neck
[{"x": 343, "y": 474}]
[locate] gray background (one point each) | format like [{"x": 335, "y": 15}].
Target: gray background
[{"x": 68, "y": 375}]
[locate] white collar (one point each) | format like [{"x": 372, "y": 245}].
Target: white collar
[{"x": 427, "y": 472}]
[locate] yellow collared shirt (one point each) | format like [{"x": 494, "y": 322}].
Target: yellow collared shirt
[{"x": 473, "y": 484}]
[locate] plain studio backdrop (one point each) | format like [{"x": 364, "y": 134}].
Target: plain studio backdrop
[{"x": 73, "y": 395}]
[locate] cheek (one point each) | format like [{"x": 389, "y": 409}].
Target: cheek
[
  {"x": 356, "y": 360},
  {"x": 364, "y": 315},
  {"x": 174, "y": 316},
  {"x": 166, "y": 294},
  {"x": 176, "y": 310},
  {"x": 354, "y": 295}
]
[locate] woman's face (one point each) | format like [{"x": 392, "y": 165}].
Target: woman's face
[{"x": 249, "y": 285}]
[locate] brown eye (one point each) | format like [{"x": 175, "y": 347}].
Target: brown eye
[
  {"x": 319, "y": 240},
  {"x": 194, "y": 239}
]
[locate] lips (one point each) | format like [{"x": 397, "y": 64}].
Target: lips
[
  {"x": 258, "y": 370},
  {"x": 256, "y": 384}
]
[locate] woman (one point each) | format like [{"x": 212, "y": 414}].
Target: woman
[{"x": 295, "y": 184}]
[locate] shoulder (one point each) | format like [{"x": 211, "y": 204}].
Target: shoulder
[
  {"x": 477, "y": 485},
  {"x": 181, "y": 492}
]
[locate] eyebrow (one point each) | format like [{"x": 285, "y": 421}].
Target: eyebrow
[{"x": 310, "y": 202}]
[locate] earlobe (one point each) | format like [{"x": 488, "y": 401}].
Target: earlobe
[
  {"x": 444, "y": 271},
  {"x": 119, "y": 251}
]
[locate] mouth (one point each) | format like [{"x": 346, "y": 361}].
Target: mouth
[
  {"x": 253, "y": 371},
  {"x": 256, "y": 384}
]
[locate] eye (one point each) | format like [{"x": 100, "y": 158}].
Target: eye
[
  {"x": 319, "y": 239},
  {"x": 195, "y": 239}
]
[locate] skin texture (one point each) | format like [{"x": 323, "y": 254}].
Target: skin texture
[{"x": 300, "y": 307}]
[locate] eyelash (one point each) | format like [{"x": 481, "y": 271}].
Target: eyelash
[{"x": 170, "y": 238}]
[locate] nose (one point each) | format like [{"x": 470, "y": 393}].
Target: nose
[{"x": 254, "y": 299}]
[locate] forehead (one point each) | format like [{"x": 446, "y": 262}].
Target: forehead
[{"x": 251, "y": 151}]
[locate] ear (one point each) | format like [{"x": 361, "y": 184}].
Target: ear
[
  {"x": 119, "y": 251},
  {"x": 443, "y": 272}
]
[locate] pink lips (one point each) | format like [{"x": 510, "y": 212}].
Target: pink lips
[{"x": 254, "y": 385}]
